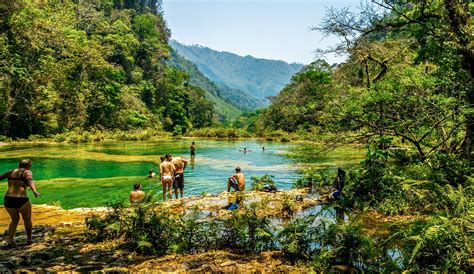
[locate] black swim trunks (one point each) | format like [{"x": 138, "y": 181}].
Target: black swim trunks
[
  {"x": 15, "y": 202},
  {"x": 234, "y": 184},
  {"x": 178, "y": 181}
]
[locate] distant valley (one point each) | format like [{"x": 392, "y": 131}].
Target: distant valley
[{"x": 244, "y": 82}]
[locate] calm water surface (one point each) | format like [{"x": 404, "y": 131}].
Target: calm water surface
[{"x": 90, "y": 174}]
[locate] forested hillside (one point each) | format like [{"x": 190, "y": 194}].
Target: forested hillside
[
  {"x": 71, "y": 65},
  {"x": 229, "y": 102},
  {"x": 258, "y": 77}
]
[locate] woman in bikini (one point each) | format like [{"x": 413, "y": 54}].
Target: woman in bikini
[
  {"x": 16, "y": 201},
  {"x": 166, "y": 175}
]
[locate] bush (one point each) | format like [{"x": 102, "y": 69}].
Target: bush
[
  {"x": 448, "y": 169},
  {"x": 245, "y": 231},
  {"x": 324, "y": 244},
  {"x": 437, "y": 244},
  {"x": 177, "y": 130},
  {"x": 288, "y": 205},
  {"x": 314, "y": 178},
  {"x": 219, "y": 132},
  {"x": 258, "y": 183},
  {"x": 148, "y": 230}
]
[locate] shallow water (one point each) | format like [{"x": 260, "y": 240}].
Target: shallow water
[{"x": 87, "y": 175}]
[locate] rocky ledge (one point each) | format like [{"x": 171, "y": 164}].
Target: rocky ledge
[{"x": 59, "y": 242}]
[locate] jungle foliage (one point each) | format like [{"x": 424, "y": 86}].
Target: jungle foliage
[
  {"x": 82, "y": 65},
  {"x": 405, "y": 92},
  {"x": 322, "y": 241},
  {"x": 407, "y": 79}
]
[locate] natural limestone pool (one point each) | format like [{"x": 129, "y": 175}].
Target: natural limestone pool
[{"x": 94, "y": 174}]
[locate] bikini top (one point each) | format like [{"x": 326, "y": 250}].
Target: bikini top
[{"x": 19, "y": 178}]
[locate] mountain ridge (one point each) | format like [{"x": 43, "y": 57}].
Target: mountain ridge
[{"x": 257, "y": 77}]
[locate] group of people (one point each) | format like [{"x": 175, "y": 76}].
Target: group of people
[
  {"x": 17, "y": 203},
  {"x": 172, "y": 175},
  {"x": 172, "y": 178}
]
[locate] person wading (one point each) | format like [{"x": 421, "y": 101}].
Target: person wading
[
  {"x": 137, "y": 195},
  {"x": 178, "y": 183},
  {"x": 167, "y": 171},
  {"x": 16, "y": 201},
  {"x": 193, "y": 150}
]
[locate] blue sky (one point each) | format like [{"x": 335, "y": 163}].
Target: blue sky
[{"x": 271, "y": 29}]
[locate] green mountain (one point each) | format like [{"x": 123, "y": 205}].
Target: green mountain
[
  {"x": 259, "y": 78},
  {"x": 223, "y": 108},
  {"x": 229, "y": 103}
]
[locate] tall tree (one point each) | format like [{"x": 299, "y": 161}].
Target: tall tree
[{"x": 440, "y": 31}]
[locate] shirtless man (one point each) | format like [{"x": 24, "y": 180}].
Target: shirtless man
[
  {"x": 167, "y": 171},
  {"x": 137, "y": 195},
  {"x": 236, "y": 181},
  {"x": 178, "y": 183},
  {"x": 193, "y": 150},
  {"x": 16, "y": 201}
]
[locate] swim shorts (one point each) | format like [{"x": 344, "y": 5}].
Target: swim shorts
[
  {"x": 178, "y": 181},
  {"x": 234, "y": 184}
]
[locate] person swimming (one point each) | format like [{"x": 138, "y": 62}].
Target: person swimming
[
  {"x": 151, "y": 174},
  {"x": 245, "y": 150}
]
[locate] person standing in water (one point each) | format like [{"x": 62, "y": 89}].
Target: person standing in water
[
  {"x": 16, "y": 201},
  {"x": 193, "y": 149},
  {"x": 137, "y": 195},
  {"x": 166, "y": 176},
  {"x": 236, "y": 181},
  {"x": 178, "y": 183}
]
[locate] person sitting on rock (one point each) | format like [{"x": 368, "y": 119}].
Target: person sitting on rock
[{"x": 236, "y": 181}]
